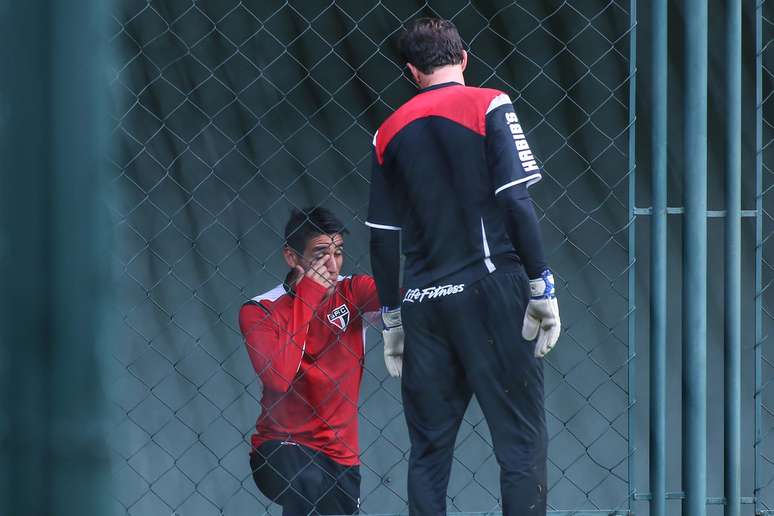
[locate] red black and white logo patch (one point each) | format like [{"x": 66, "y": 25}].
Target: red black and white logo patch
[{"x": 339, "y": 317}]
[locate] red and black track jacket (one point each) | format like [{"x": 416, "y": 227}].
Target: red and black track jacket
[{"x": 308, "y": 351}]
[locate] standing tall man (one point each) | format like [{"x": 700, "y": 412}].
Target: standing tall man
[{"x": 451, "y": 169}]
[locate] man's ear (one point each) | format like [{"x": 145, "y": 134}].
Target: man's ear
[
  {"x": 415, "y": 73},
  {"x": 291, "y": 257},
  {"x": 464, "y": 62}
]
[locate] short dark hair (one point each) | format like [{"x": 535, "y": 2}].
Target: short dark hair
[
  {"x": 429, "y": 43},
  {"x": 309, "y": 223}
]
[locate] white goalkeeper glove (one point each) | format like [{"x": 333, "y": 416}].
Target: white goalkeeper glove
[
  {"x": 393, "y": 341},
  {"x": 541, "y": 319}
]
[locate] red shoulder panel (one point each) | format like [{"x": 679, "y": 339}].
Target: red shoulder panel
[{"x": 461, "y": 104}]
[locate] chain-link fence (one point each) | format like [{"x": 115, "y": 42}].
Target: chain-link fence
[
  {"x": 229, "y": 113},
  {"x": 764, "y": 424}
]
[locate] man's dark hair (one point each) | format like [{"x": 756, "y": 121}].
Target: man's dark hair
[
  {"x": 429, "y": 43},
  {"x": 309, "y": 223}
]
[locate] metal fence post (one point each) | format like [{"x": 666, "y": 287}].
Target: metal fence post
[
  {"x": 658, "y": 259},
  {"x": 632, "y": 336},
  {"x": 695, "y": 262},
  {"x": 733, "y": 247},
  {"x": 758, "y": 252}
]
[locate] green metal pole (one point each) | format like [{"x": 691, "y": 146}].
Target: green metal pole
[
  {"x": 80, "y": 256},
  {"x": 695, "y": 262},
  {"x": 24, "y": 141},
  {"x": 658, "y": 260},
  {"x": 631, "y": 372},
  {"x": 53, "y": 255},
  {"x": 733, "y": 260}
]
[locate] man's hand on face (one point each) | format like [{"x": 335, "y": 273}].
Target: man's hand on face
[{"x": 318, "y": 271}]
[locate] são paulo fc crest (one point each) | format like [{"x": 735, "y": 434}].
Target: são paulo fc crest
[{"x": 340, "y": 317}]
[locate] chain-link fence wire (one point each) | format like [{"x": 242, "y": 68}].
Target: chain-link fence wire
[
  {"x": 229, "y": 113},
  {"x": 764, "y": 393}
]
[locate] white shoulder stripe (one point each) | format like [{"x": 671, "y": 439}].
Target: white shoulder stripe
[
  {"x": 381, "y": 226},
  {"x": 279, "y": 291},
  {"x": 376, "y": 133},
  {"x": 530, "y": 180},
  {"x": 500, "y": 100},
  {"x": 271, "y": 295}
]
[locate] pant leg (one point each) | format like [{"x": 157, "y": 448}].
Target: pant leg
[
  {"x": 342, "y": 494},
  {"x": 435, "y": 395},
  {"x": 269, "y": 465},
  {"x": 508, "y": 383},
  {"x": 289, "y": 475}
]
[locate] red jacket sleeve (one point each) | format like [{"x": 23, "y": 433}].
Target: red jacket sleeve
[
  {"x": 364, "y": 295},
  {"x": 276, "y": 341}
]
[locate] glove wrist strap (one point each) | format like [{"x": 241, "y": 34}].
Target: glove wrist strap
[
  {"x": 543, "y": 287},
  {"x": 391, "y": 318}
]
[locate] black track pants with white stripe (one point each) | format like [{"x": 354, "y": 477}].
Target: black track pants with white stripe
[{"x": 470, "y": 343}]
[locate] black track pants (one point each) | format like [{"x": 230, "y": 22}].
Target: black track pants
[{"x": 468, "y": 343}]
